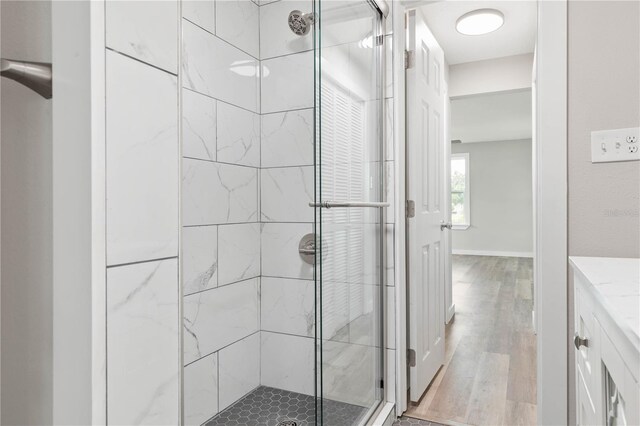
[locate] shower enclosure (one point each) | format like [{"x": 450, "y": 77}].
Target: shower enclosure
[
  {"x": 321, "y": 339},
  {"x": 237, "y": 210}
]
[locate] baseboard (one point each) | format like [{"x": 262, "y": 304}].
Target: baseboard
[{"x": 493, "y": 253}]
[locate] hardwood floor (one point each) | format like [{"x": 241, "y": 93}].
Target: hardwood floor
[{"x": 489, "y": 375}]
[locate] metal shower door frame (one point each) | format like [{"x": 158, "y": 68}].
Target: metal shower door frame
[{"x": 383, "y": 9}]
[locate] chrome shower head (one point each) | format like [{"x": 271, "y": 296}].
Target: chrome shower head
[{"x": 300, "y": 23}]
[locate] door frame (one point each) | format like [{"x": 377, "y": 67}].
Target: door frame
[{"x": 550, "y": 209}]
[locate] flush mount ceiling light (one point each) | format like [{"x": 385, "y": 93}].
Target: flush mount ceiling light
[{"x": 478, "y": 22}]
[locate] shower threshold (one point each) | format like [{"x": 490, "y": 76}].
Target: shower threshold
[{"x": 273, "y": 407}]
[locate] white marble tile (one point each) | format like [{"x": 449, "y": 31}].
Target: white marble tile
[
  {"x": 287, "y": 138},
  {"x": 199, "y": 258},
  {"x": 295, "y": 370},
  {"x": 143, "y": 342},
  {"x": 216, "y": 318},
  {"x": 146, "y": 30},
  {"x": 354, "y": 26},
  {"x": 280, "y": 257},
  {"x": 238, "y": 22},
  {"x": 277, "y": 39},
  {"x": 201, "y": 13},
  {"x": 349, "y": 372},
  {"x": 199, "y": 126},
  {"x": 215, "y": 68},
  {"x": 214, "y": 193},
  {"x": 287, "y": 306},
  {"x": 351, "y": 68},
  {"x": 201, "y": 390},
  {"x": 287, "y": 83},
  {"x": 239, "y": 252},
  {"x": 239, "y": 369},
  {"x": 142, "y": 169},
  {"x": 238, "y": 134},
  {"x": 335, "y": 322},
  {"x": 286, "y": 194}
]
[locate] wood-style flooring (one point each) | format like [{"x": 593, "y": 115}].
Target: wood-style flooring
[{"x": 489, "y": 375}]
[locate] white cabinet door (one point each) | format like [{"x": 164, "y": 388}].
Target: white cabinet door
[
  {"x": 587, "y": 356},
  {"x": 627, "y": 401}
]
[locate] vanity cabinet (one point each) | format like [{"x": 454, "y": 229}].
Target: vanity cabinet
[{"x": 606, "y": 344}]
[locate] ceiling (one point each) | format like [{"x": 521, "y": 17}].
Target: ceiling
[
  {"x": 492, "y": 117},
  {"x": 515, "y": 37}
]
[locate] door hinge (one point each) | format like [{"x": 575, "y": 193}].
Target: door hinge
[
  {"x": 379, "y": 40},
  {"x": 409, "y": 59},
  {"x": 411, "y": 208},
  {"x": 411, "y": 357},
  {"x": 381, "y": 383}
]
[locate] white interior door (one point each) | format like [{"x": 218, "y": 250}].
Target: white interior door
[{"x": 425, "y": 186}]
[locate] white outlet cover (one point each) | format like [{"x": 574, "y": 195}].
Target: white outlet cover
[{"x": 615, "y": 145}]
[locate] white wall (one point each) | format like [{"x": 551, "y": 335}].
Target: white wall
[
  {"x": 604, "y": 199},
  {"x": 491, "y": 75},
  {"x": 501, "y": 199},
  {"x": 77, "y": 287},
  {"x": 26, "y": 222}
]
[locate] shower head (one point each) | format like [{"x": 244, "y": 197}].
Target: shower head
[{"x": 300, "y": 23}]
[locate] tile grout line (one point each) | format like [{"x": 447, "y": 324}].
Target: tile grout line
[{"x": 222, "y": 348}]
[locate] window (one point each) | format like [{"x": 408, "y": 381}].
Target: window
[{"x": 460, "y": 217}]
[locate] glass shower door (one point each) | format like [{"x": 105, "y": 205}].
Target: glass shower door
[{"x": 349, "y": 222}]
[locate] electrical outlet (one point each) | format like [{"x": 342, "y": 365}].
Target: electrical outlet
[{"x": 615, "y": 145}]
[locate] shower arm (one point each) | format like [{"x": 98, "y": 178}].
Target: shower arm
[{"x": 34, "y": 75}]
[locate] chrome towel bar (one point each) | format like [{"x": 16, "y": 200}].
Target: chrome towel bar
[
  {"x": 35, "y": 75},
  {"x": 348, "y": 204}
]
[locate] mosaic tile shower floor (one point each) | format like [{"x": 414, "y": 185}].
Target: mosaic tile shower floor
[{"x": 269, "y": 406}]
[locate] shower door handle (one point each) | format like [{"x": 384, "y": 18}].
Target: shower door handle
[{"x": 349, "y": 204}]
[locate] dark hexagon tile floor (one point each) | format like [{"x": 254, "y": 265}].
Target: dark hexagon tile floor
[{"x": 269, "y": 406}]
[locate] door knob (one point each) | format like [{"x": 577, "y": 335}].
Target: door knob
[
  {"x": 447, "y": 225},
  {"x": 579, "y": 341}
]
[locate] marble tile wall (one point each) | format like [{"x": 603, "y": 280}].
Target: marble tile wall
[
  {"x": 142, "y": 213},
  {"x": 220, "y": 204},
  {"x": 247, "y": 178},
  {"x": 286, "y": 187}
]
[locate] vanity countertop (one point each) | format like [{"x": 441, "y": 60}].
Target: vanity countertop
[{"x": 615, "y": 284}]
